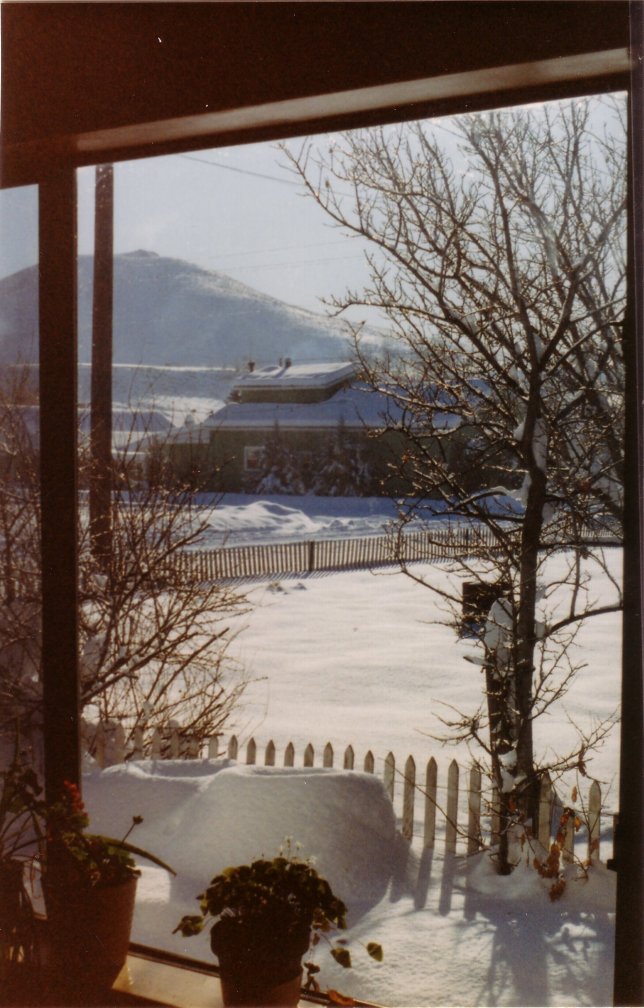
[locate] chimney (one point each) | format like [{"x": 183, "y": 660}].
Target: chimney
[
  {"x": 251, "y": 366},
  {"x": 288, "y": 362}
]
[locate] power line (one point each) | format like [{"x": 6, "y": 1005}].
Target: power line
[
  {"x": 279, "y": 248},
  {"x": 261, "y": 175},
  {"x": 307, "y": 262},
  {"x": 241, "y": 171}
]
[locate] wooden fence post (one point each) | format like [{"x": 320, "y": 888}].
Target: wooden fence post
[
  {"x": 289, "y": 755},
  {"x": 349, "y": 758},
  {"x": 409, "y": 791},
  {"x": 594, "y": 820},
  {"x": 156, "y": 745},
  {"x": 269, "y": 754},
  {"x": 251, "y": 752},
  {"x": 97, "y": 743},
  {"x": 233, "y": 747},
  {"x": 189, "y": 745},
  {"x": 474, "y": 811},
  {"x": 545, "y": 811},
  {"x": 569, "y": 841},
  {"x": 390, "y": 772},
  {"x": 452, "y": 808},
  {"x": 170, "y": 742},
  {"x": 115, "y": 744},
  {"x": 137, "y": 743},
  {"x": 327, "y": 759},
  {"x": 309, "y": 755},
  {"x": 369, "y": 763},
  {"x": 431, "y": 775}
]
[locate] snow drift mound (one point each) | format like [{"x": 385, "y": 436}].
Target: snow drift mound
[{"x": 203, "y": 815}]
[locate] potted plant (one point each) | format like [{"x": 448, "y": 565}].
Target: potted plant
[
  {"x": 266, "y": 915},
  {"x": 19, "y": 791},
  {"x": 89, "y": 885}
]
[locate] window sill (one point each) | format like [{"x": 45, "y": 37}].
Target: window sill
[
  {"x": 163, "y": 979},
  {"x": 150, "y": 977}
]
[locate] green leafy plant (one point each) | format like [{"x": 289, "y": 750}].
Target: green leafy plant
[
  {"x": 55, "y": 835},
  {"x": 20, "y": 807},
  {"x": 75, "y": 857},
  {"x": 267, "y": 895},
  {"x": 271, "y": 904}
]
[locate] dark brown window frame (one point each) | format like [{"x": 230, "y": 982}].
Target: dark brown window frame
[{"x": 380, "y": 92}]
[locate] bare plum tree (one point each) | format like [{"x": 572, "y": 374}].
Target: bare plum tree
[
  {"x": 498, "y": 262},
  {"x": 153, "y": 642}
]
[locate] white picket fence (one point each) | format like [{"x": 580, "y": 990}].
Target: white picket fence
[
  {"x": 460, "y": 815},
  {"x": 308, "y": 556},
  {"x": 301, "y": 557}
]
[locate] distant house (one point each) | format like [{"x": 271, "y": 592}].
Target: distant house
[
  {"x": 132, "y": 430},
  {"x": 292, "y": 383},
  {"x": 295, "y": 428}
]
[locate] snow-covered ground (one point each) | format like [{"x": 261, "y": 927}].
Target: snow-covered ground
[
  {"x": 244, "y": 518},
  {"x": 361, "y": 658},
  {"x": 249, "y": 518},
  {"x": 453, "y": 932}
]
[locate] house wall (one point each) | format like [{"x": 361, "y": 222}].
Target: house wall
[
  {"x": 224, "y": 464},
  {"x": 309, "y": 447},
  {"x": 187, "y": 464},
  {"x": 221, "y": 464}
]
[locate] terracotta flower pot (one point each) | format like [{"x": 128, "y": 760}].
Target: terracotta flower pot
[
  {"x": 260, "y": 969},
  {"x": 238, "y": 991},
  {"x": 89, "y": 932},
  {"x": 17, "y": 932}
]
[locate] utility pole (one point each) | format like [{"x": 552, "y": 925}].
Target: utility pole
[
  {"x": 100, "y": 479},
  {"x": 58, "y": 479}
]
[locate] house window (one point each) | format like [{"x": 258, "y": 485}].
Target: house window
[{"x": 253, "y": 458}]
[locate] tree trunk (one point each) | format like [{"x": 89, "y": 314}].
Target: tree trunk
[
  {"x": 500, "y": 733},
  {"x": 527, "y": 796}
]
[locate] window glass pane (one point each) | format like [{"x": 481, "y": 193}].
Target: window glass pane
[
  {"x": 242, "y": 600},
  {"x": 20, "y": 581}
]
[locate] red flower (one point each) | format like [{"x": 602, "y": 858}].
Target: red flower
[{"x": 74, "y": 796}]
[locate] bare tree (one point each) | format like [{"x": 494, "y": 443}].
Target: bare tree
[
  {"x": 499, "y": 268},
  {"x": 154, "y": 642}
]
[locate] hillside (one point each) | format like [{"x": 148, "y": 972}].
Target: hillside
[{"x": 171, "y": 312}]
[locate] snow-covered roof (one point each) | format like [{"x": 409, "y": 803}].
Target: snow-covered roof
[
  {"x": 129, "y": 423},
  {"x": 314, "y": 376},
  {"x": 355, "y": 407}
]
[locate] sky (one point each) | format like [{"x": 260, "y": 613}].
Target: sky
[{"x": 236, "y": 210}]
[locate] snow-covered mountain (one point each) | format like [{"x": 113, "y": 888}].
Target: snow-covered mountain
[{"x": 171, "y": 312}]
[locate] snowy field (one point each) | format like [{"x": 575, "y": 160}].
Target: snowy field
[
  {"x": 359, "y": 658},
  {"x": 453, "y": 932},
  {"x": 244, "y": 518}
]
